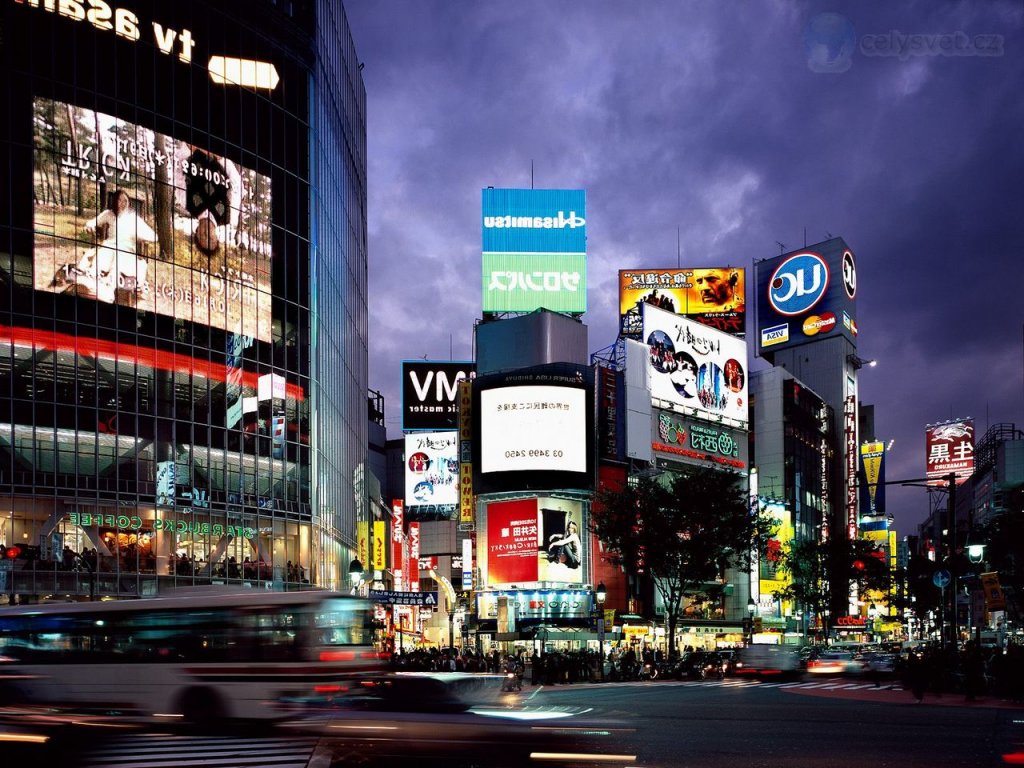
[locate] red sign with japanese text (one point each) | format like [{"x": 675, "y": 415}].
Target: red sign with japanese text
[
  {"x": 950, "y": 448},
  {"x": 512, "y": 537}
]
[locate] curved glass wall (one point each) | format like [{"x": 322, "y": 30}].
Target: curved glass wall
[{"x": 174, "y": 406}]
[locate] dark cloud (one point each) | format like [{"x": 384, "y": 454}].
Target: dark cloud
[{"x": 711, "y": 126}]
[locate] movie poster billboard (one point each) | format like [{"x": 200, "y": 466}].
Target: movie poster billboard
[
  {"x": 713, "y": 296},
  {"x": 695, "y": 366},
  {"x": 432, "y": 469},
  {"x": 535, "y": 539},
  {"x": 950, "y": 449},
  {"x": 805, "y": 296},
  {"x": 125, "y": 215}
]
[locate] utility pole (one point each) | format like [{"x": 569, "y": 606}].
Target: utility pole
[{"x": 953, "y": 569}]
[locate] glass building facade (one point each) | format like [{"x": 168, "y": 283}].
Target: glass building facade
[{"x": 183, "y": 308}]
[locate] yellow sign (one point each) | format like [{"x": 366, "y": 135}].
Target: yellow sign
[
  {"x": 380, "y": 560},
  {"x": 635, "y": 631},
  {"x": 363, "y": 542},
  {"x": 466, "y": 506},
  {"x": 995, "y": 600}
]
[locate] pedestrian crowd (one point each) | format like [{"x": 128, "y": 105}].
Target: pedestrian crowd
[{"x": 972, "y": 671}]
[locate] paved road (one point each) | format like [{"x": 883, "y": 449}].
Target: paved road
[{"x": 837, "y": 723}]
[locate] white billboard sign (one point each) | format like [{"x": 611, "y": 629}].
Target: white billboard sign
[{"x": 695, "y": 366}]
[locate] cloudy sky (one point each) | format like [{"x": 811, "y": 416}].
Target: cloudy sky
[{"x": 705, "y": 133}]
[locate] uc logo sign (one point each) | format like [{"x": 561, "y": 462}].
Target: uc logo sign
[{"x": 798, "y": 284}]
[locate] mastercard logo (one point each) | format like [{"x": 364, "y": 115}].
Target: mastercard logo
[{"x": 816, "y": 324}]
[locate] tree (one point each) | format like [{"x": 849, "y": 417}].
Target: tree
[
  {"x": 681, "y": 530},
  {"x": 822, "y": 573}
]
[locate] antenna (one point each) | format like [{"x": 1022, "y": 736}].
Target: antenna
[
  {"x": 782, "y": 247},
  {"x": 451, "y": 353},
  {"x": 805, "y": 237},
  {"x": 828, "y": 234},
  {"x": 531, "y": 173},
  {"x": 679, "y": 247}
]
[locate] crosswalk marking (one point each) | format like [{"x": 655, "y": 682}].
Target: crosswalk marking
[
  {"x": 156, "y": 750},
  {"x": 825, "y": 685}
]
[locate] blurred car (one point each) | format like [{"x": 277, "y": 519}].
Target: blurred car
[
  {"x": 768, "y": 661},
  {"x": 835, "y": 663},
  {"x": 700, "y": 665},
  {"x": 879, "y": 664}
]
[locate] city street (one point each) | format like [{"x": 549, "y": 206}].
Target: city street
[{"x": 700, "y": 724}]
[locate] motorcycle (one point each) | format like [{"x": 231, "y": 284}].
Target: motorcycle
[
  {"x": 648, "y": 671},
  {"x": 512, "y": 682}
]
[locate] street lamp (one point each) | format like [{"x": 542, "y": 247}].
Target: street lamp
[
  {"x": 975, "y": 552},
  {"x": 600, "y": 595},
  {"x": 355, "y": 572}
]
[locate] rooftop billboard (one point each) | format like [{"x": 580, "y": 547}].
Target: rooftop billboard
[
  {"x": 713, "y": 296},
  {"x": 806, "y": 295},
  {"x": 534, "y": 250}
]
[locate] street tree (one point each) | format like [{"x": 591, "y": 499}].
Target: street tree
[
  {"x": 680, "y": 530},
  {"x": 822, "y": 574}
]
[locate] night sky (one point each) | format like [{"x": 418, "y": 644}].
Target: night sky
[{"x": 705, "y": 134}]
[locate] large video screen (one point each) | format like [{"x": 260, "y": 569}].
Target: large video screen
[
  {"x": 129, "y": 216},
  {"x": 534, "y": 429}
]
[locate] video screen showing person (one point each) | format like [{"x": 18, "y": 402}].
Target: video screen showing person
[{"x": 126, "y": 215}]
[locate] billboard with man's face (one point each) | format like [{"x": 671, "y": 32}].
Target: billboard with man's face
[
  {"x": 713, "y": 296},
  {"x": 152, "y": 222}
]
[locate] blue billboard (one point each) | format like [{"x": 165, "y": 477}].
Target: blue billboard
[
  {"x": 534, "y": 221},
  {"x": 806, "y": 295}
]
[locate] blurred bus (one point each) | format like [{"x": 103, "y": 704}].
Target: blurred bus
[{"x": 200, "y": 655}]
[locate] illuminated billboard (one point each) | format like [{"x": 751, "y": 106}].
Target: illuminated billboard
[
  {"x": 534, "y": 250},
  {"x": 872, "y": 479},
  {"x": 432, "y": 469},
  {"x": 695, "y": 366},
  {"x": 713, "y": 296},
  {"x": 535, "y": 539},
  {"x": 950, "y": 449},
  {"x": 523, "y": 282},
  {"x": 534, "y": 221},
  {"x": 430, "y": 390},
  {"x": 689, "y": 440},
  {"x": 534, "y": 429},
  {"x": 805, "y": 296},
  {"x": 126, "y": 215}
]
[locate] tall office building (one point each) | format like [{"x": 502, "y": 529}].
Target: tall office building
[{"x": 183, "y": 294}]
